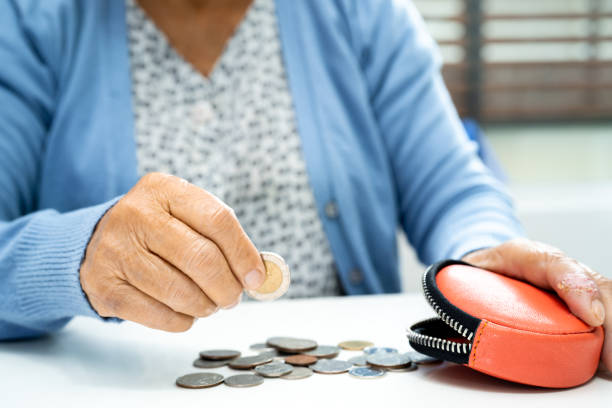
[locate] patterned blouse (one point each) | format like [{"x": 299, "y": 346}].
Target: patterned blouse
[{"x": 234, "y": 134}]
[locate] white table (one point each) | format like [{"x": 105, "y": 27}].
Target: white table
[{"x": 92, "y": 364}]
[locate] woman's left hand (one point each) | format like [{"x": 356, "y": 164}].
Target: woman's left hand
[{"x": 587, "y": 293}]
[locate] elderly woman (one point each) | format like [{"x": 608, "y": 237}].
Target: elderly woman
[{"x": 148, "y": 148}]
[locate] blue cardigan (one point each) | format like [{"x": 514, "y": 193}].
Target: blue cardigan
[{"x": 382, "y": 142}]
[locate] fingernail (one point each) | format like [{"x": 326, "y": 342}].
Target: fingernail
[
  {"x": 598, "y": 310},
  {"x": 254, "y": 279}
]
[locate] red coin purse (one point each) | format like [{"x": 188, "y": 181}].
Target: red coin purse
[{"x": 505, "y": 328}]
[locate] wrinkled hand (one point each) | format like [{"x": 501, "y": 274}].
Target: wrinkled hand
[
  {"x": 587, "y": 293},
  {"x": 166, "y": 253}
]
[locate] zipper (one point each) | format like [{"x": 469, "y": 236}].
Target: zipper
[
  {"x": 438, "y": 343},
  {"x": 446, "y": 318},
  {"x": 450, "y": 321}
]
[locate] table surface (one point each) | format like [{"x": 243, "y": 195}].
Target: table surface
[{"x": 90, "y": 363}]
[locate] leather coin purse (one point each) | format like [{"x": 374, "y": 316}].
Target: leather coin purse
[{"x": 505, "y": 328}]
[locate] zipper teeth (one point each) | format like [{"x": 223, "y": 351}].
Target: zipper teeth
[
  {"x": 458, "y": 327},
  {"x": 439, "y": 344}
]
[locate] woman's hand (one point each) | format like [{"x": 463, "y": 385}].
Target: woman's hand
[
  {"x": 166, "y": 253},
  {"x": 587, "y": 293}
]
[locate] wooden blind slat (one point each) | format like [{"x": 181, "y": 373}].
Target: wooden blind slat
[{"x": 575, "y": 84}]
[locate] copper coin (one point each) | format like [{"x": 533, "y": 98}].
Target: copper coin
[
  {"x": 301, "y": 360},
  {"x": 219, "y": 354},
  {"x": 199, "y": 380},
  {"x": 355, "y": 344},
  {"x": 324, "y": 352},
  {"x": 245, "y": 363}
]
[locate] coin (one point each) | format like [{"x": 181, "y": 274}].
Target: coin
[
  {"x": 201, "y": 363},
  {"x": 358, "y": 360},
  {"x": 420, "y": 358},
  {"x": 366, "y": 372},
  {"x": 298, "y": 373},
  {"x": 355, "y": 344},
  {"x": 410, "y": 367},
  {"x": 300, "y": 360},
  {"x": 261, "y": 347},
  {"x": 388, "y": 360},
  {"x": 272, "y": 353},
  {"x": 219, "y": 354},
  {"x": 324, "y": 352},
  {"x": 199, "y": 380},
  {"x": 273, "y": 370},
  {"x": 277, "y": 278},
  {"x": 374, "y": 350},
  {"x": 330, "y": 366},
  {"x": 244, "y": 363},
  {"x": 244, "y": 380},
  {"x": 291, "y": 345}
]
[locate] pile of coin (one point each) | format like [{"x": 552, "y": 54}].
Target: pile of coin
[{"x": 292, "y": 358}]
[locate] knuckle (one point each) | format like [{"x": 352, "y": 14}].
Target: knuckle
[
  {"x": 177, "y": 295},
  {"x": 221, "y": 217},
  {"x": 213, "y": 274},
  {"x": 130, "y": 209},
  {"x": 156, "y": 186},
  {"x": 201, "y": 256},
  {"x": 151, "y": 178}
]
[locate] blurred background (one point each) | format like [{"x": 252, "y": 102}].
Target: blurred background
[{"x": 536, "y": 78}]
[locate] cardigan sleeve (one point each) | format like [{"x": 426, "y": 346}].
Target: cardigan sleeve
[
  {"x": 40, "y": 251},
  {"x": 449, "y": 202}
]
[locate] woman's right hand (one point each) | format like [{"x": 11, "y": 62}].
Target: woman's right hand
[{"x": 166, "y": 253}]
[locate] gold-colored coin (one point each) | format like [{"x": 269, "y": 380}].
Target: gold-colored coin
[
  {"x": 274, "y": 278},
  {"x": 277, "y": 278},
  {"x": 355, "y": 344}
]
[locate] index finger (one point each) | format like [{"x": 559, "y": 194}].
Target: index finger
[{"x": 215, "y": 220}]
